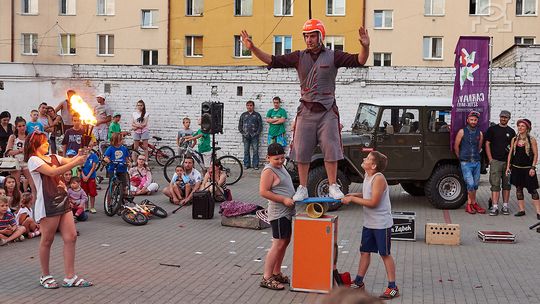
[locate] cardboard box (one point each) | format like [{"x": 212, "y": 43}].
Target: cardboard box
[{"x": 443, "y": 234}]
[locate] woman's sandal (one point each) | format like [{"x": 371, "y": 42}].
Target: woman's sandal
[
  {"x": 271, "y": 283},
  {"x": 283, "y": 279},
  {"x": 48, "y": 282},
  {"x": 76, "y": 282}
]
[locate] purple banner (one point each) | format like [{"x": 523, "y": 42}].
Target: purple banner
[{"x": 471, "y": 86}]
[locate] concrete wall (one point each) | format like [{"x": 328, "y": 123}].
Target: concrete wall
[{"x": 164, "y": 90}]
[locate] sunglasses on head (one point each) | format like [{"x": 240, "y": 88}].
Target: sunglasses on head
[{"x": 34, "y": 133}]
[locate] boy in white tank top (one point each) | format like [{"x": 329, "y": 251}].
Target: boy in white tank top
[{"x": 377, "y": 221}]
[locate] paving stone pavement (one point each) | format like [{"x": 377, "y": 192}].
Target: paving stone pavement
[{"x": 216, "y": 264}]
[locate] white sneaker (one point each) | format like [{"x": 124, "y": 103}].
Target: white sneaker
[
  {"x": 301, "y": 194},
  {"x": 335, "y": 192}
]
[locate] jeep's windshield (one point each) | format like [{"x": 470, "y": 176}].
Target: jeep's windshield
[{"x": 365, "y": 118}]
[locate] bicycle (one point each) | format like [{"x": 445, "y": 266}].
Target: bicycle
[
  {"x": 161, "y": 154},
  {"x": 231, "y": 165},
  {"x": 114, "y": 196}
]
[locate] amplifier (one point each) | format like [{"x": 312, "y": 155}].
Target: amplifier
[
  {"x": 404, "y": 227},
  {"x": 203, "y": 205}
]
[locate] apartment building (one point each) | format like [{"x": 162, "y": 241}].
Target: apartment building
[
  {"x": 207, "y": 33},
  {"x": 84, "y": 31},
  {"x": 425, "y": 32}
]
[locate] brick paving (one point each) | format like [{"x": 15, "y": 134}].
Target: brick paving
[{"x": 216, "y": 264}]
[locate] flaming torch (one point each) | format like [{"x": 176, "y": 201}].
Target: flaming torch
[{"x": 88, "y": 120}]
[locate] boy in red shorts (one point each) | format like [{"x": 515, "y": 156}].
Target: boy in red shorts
[{"x": 88, "y": 177}]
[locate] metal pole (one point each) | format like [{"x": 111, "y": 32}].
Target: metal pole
[
  {"x": 309, "y": 9},
  {"x": 490, "y": 71}
]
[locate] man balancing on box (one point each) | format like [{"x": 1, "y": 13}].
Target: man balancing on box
[{"x": 317, "y": 117}]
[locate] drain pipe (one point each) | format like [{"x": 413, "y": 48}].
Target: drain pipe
[
  {"x": 12, "y": 30},
  {"x": 169, "y": 32}
]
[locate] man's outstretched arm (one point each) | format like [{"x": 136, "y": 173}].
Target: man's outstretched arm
[{"x": 248, "y": 43}]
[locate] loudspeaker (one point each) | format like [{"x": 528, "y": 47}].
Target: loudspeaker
[{"x": 212, "y": 117}]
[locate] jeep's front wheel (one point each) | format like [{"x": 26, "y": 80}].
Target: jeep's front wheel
[
  {"x": 414, "y": 189},
  {"x": 318, "y": 184},
  {"x": 446, "y": 189}
]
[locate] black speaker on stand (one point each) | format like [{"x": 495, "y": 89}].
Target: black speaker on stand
[{"x": 212, "y": 123}]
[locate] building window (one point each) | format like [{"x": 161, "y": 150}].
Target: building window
[
  {"x": 434, "y": 7},
  {"x": 524, "y": 40},
  {"x": 525, "y": 7},
  {"x": 335, "y": 43},
  {"x": 382, "y": 59},
  {"x": 30, "y": 44},
  {"x": 106, "y": 45},
  {"x": 282, "y": 45},
  {"x": 68, "y": 7},
  {"x": 433, "y": 48},
  {"x": 240, "y": 50},
  {"x": 194, "y": 7},
  {"x": 283, "y": 7},
  {"x": 479, "y": 7},
  {"x": 194, "y": 46},
  {"x": 149, "y": 57},
  {"x": 243, "y": 7},
  {"x": 189, "y": 90},
  {"x": 105, "y": 7},
  {"x": 335, "y": 7},
  {"x": 29, "y": 7},
  {"x": 239, "y": 91},
  {"x": 67, "y": 44},
  {"x": 149, "y": 19},
  {"x": 383, "y": 19}
]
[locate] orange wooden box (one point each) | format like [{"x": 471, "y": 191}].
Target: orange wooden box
[{"x": 313, "y": 253}]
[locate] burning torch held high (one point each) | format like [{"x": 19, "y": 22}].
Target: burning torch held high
[{"x": 88, "y": 120}]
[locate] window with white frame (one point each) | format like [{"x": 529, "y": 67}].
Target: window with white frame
[
  {"x": 525, "y": 7},
  {"x": 479, "y": 7},
  {"x": 194, "y": 46},
  {"x": 524, "y": 40},
  {"x": 243, "y": 7},
  {"x": 194, "y": 7},
  {"x": 106, "y": 45},
  {"x": 29, "y": 7},
  {"x": 282, "y": 45},
  {"x": 149, "y": 18},
  {"x": 383, "y": 19},
  {"x": 240, "y": 51},
  {"x": 382, "y": 59},
  {"x": 335, "y": 7},
  {"x": 335, "y": 42},
  {"x": 283, "y": 7},
  {"x": 68, "y": 7},
  {"x": 67, "y": 44},
  {"x": 105, "y": 7},
  {"x": 29, "y": 44},
  {"x": 433, "y": 47},
  {"x": 149, "y": 57},
  {"x": 434, "y": 7}
]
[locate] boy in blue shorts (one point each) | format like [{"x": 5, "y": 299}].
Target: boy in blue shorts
[{"x": 377, "y": 222}]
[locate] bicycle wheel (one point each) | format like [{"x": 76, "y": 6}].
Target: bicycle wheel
[
  {"x": 134, "y": 217},
  {"x": 163, "y": 154},
  {"x": 113, "y": 198},
  {"x": 170, "y": 166},
  {"x": 233, "y": 168},
  {"x": 159, "y": 212}
]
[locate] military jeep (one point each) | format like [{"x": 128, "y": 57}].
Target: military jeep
[{"x": 414, "y": 132}]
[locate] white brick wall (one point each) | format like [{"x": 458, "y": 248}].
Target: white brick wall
[{"x": 515, "y": 88}]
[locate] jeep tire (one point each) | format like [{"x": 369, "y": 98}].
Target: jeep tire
[
  {"x": 446, "y": 189},
  {"x": 413, "y": 188},
  {"x": 318, "y": 184}
]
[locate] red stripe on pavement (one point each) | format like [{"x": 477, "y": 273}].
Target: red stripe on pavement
[{"x": 446, "y": 215}]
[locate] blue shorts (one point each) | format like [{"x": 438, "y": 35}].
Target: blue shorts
[
  {"x": 471, "y": 174},
  {"x": 376, "y": 240}
]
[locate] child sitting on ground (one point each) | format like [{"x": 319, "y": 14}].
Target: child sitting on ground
[
  {"x": 9, "y": 231},
  {"x": 277, "y": 187},
  {"x": 179, "y": 188},
  {"x": 378, "y": 221},
  {"x": 78, "y": 199},
  {"x": 25, "y": 216}
]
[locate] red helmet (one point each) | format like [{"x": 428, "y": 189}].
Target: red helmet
[{"x": 314, "y": 25}]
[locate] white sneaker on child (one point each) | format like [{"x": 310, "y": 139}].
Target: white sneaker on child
[
  {"x": 301, "y": 194},
  {"x": 335, "y": 192}
]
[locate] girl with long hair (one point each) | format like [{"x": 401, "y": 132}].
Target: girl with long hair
[
  {"x": 141, "y": 178},
  {"x": 13, "y": 193},
  {"x": 52, "y": 209},
  {"x": 139, "y": 125},
  {"x": 15, "y": 148}
]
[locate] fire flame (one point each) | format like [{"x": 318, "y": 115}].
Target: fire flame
[{"x": 83, "y": 109}]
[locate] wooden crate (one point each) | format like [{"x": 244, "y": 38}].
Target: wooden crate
[{"x": 443, "y": 234}]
